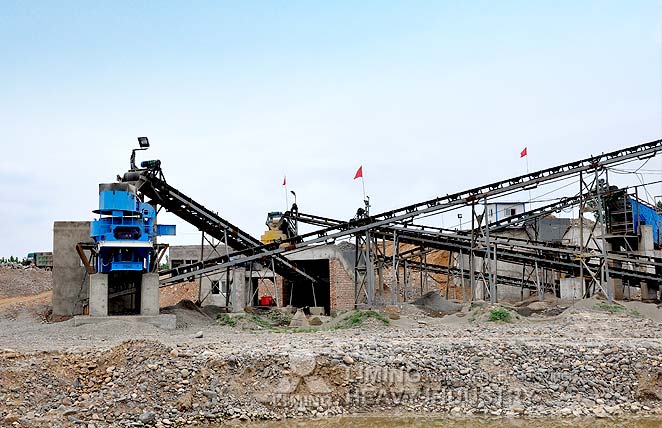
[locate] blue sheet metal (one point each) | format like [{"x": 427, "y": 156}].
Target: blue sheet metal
[{"x": 645, "y": 214}]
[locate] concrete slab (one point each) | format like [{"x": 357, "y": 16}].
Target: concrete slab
[{"x": 164, "y": 321}]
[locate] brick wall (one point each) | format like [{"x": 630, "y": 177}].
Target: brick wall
[
  {"x": 265, "y": 287},
  {"x": 342, "y": 286}
]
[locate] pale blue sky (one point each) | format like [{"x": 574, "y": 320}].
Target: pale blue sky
[{"x": 431, "y": 97}]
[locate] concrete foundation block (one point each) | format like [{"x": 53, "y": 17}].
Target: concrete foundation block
[
  {"x": 618, "y": 288},
  {"x": 630, "y": 292},
  {"x": 571, "y": 288},
  {"x": 316, "y": 310},
  {"x": 99, "y": 295},
  {"x": 648, "y": 293},
  {"x": 149, "y": 294},
  {"x": 165, "y": 321},
  {"x": 509, "y": 293}
]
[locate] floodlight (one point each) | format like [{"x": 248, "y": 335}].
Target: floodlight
[{"x": 143, "y": 142}]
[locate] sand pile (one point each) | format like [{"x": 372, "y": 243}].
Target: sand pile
[{"x": 435, "y": 304}]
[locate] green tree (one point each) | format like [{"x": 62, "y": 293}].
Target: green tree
[{"x": 166, "y": 264}]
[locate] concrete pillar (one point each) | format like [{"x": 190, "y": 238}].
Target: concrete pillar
[
  {"x": 240, "y": 289},
  {"x": 647, "y": 247},
  {"x": 99, "y": 295},
  {"x": 646, "y": 242},
  {"x": 149, "y": 294},
  {"x": 70, "y": 280},
  {"x": 618, "y": 288},
  {"x": 480, "y": 290},
  {"x": 616, "y": 283}
]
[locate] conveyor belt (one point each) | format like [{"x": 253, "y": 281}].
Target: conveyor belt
[
  {"x": 518, "y": 251},
  {"x": 330, "y": 233},
  {"x": 153, "y": 186},
  {"x": 506, "y": 222},
  {"x": 558, "y": 258}
]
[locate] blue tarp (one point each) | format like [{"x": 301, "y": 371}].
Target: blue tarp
[{"x": 645, "y": 214}]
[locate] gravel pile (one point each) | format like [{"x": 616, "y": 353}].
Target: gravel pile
[{"x": 22, "y": 281}]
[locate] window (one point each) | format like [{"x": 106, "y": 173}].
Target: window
[
  {"x": 215, "y": 287},
  {"x": 513, "y": 211}
]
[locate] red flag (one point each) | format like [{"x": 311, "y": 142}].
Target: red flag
[
  {"x": 523, "y": 153},
  {"x": 285, "y": 180},
  {"x": 359, "y": 173}
]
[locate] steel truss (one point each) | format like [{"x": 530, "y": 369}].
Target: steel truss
[{"x": 397, "y": 225}]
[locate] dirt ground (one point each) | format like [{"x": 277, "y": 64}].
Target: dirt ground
[{"x": 23, "y": 325}]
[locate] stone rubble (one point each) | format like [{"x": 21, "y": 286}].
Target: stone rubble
[
  {"x": 585, "y": 364},
  {"x": 147, "y": 383}
]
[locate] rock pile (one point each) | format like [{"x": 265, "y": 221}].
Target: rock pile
[
  {"x": 147, "y": 383},
  {"x": 24, "y": 280}
]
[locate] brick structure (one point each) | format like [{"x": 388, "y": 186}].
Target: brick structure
[
  {"x": 341, "y": 285},
  {"x": 332, "y": 263},
  {"x": 266, "y": 287}
]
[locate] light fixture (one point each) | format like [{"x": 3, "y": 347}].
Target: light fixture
[{"x": 143, "y": 142}]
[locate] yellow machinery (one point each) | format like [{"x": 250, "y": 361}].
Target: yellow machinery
[{"x": 274, "y": 232}]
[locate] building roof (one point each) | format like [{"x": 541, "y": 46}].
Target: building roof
[{"x": 507, "y": 203}]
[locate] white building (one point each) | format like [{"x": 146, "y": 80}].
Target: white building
[{"x": 499, "y": 210}]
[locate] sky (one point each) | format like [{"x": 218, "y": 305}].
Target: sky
[{"x": 431, "y": 97}]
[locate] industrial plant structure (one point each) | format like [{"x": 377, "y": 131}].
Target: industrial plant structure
[{"x": 390, "y": 257}]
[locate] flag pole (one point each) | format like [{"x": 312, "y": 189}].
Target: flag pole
[
  {"x": 363, "y": 185},
  {"x": 287, "y": 201},
  {"x": 527, "y": 173}
]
